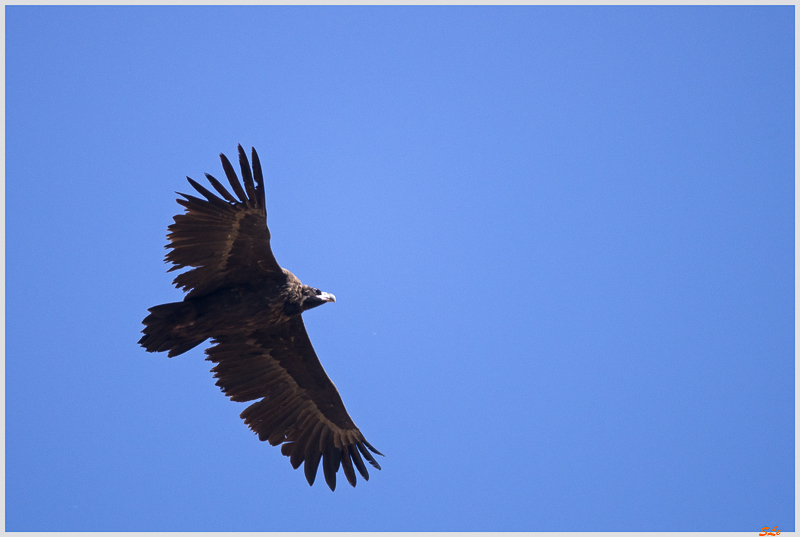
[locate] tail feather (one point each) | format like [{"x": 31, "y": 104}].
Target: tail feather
[{"x": 171, "y": 327}]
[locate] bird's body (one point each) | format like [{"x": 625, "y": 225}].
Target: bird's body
[
  {"x": 251, "y": 308},
  {"x": 239, "y": 308}
]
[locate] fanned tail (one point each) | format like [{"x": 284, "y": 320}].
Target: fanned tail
[{"x": 171, "y": 327}]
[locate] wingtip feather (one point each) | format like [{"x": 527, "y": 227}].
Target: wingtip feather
[
  {"x": 258, "y": 175},
  {"x": 373, "y": 449},
  {"x": 247, "y": 176},
  {"x": 232, "y": 178}
]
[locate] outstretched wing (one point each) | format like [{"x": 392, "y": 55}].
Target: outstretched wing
[
  {"x": 299, "y": 407},
  {"x": 225, "y": 239}
]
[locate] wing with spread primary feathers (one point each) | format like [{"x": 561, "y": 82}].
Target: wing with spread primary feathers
[
  {"x": 225, "y": 239},
  {"x": 299, "y": 407}
]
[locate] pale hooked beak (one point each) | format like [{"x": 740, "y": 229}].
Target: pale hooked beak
[{"x": 327, "y": 297}]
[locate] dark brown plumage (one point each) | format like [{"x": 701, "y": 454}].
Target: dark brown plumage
[{"x": 240, "y": 297}]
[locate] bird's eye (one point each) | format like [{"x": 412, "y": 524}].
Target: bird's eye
[{"x": 317, "y": 292}]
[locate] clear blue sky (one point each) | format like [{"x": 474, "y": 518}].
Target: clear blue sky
[{"x": 561, "y": 241}]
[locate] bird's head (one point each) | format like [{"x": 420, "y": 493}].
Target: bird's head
[{"x": 311, "y": 297}]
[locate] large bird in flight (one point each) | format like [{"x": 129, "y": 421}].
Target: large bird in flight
[{"x": 251, "y": 308}]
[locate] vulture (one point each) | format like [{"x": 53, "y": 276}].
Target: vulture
[{"x": 251, "y": 309}]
